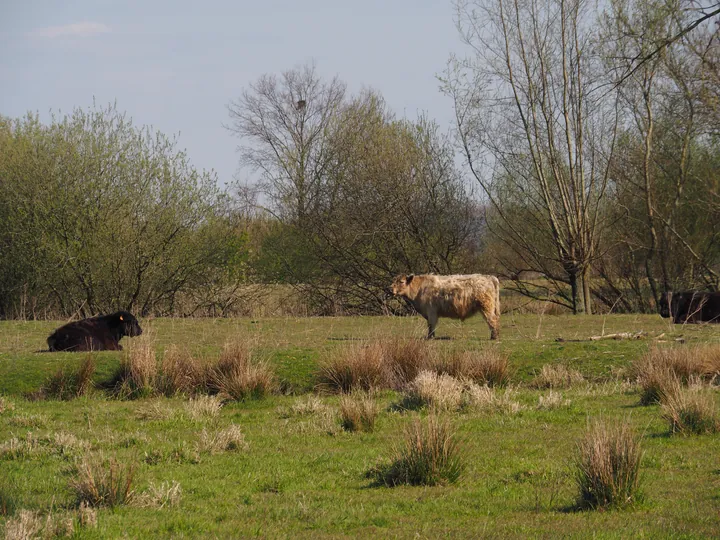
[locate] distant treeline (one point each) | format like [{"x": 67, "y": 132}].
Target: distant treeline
[{"x": 583, "y": 167}]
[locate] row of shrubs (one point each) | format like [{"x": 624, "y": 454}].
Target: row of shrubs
[{"x": 679, "y": 378}]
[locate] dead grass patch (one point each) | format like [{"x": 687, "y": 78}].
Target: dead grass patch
[
  {"x": 440, "y": 391},
  {"x": 230, "y": 439},
  {"x": 557, "y": 376},
  {"x": 6, "y": 405},
  {"x": 310, "y": 405},
  {"x": 163, "y": 495},
  {"x": 493, "y": 400},
  {"x": 203, "y": 407},
  {"x": 21, "y": 447},
  {"x": 552, "y": 400}
]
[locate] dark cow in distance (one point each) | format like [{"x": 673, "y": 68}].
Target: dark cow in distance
[
  {"x": 102, "y": 333},
  {"x": 691, "y": 306}
]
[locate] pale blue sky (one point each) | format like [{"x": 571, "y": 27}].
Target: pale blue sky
[{"x": 177, "y": 64}]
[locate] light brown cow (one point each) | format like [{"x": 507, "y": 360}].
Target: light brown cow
[{"x": 456, "y": 297}]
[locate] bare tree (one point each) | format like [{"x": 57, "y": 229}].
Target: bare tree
[
  {"x": 534, "y": 137},
  {"x": 286, "y": 124}
]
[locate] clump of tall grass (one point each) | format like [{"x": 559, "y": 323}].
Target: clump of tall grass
[
  {"x": 103, "y": 483},
  {"x": 180, "y": 373},
  {"x": 404, "y": 359},
  {"x": 238, "y": 376},
  {"x": 138, "y": 370},
  {"x": 429, "y": 454},
  {"x": 557, "y": 376},
  {"x": 487, "y": 366},
  {"x": 358, "y": 367},
  {"x": 69, "y": 384},
  {"x": 690, "y": 410},
  {"x": 229, "y": 439},
  {"x": 657, "y": 370},
  {"x": 163, "y": 495},
  {"x": 358, "y": 412},
  {"x": 608, "y": 466}
]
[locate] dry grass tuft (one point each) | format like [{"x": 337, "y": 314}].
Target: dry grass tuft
[
  {"x": 429, "y": 454},
  {"x": 103, "y": 483},
  {"x": 202, "y": 407},
  {"x": 167, "y": 494},
  {"x": 403, "y": 359},
  {"x": 28, "y": 421},
  {"x": 310, "y": 405},
  {"x": 487, "y": 366},
  {"x": 608, "y": 466},
  {"x": 87, "y": 516},
  {"x": 6, "y": 405},
  {"x": 557, "y": 376},
  {"x": 18, "y": 448},
  {"x": 358, "y": 412},
  {"x": 691, "y": 410},
  {"x": 552, "y": 400},
  {"x": 657, "y": 370},
  {"x": 230, "y": 439},
  {"x": 487, "y": 399},
  {"x": 155, "y": 410},
  {"x": 67, "y": 444},
  {"x": 66, "y": 385},
  {"x": 358, "y": 367},
  {"x": 27, "y": 525},
  {"x": 440, "y": 391},
  {"x": 237, "y": 376},
  {"x": 180, "y": 373},
  {"x": 138, "y": 370}
]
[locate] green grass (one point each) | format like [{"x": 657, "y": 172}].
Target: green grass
[{"x": 303, "y": 476}]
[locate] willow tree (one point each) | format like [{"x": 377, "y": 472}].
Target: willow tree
[{"x": 534, "y": 135}]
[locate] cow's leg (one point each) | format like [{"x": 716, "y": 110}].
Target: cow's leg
[
  {"x": 432, "y": 320},
  {"x": 493, "y": 321}
]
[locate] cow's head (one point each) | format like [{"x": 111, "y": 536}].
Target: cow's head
[
  {"x": 401, "y": 284},
  {"x": 128, "y": 323},
  {"x": 664, "y": 306}
]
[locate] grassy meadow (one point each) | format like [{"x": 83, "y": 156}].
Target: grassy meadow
[{"x": 284, "y": 466}]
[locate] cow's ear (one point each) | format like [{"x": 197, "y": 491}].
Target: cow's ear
[{"x": 409, "y": 278}]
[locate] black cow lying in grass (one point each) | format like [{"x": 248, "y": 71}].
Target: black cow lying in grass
[
  {"x": 691, "y": 306},
  {"x": 101, "y": 333}
]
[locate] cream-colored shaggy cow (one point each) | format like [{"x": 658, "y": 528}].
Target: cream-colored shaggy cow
[{"x": 456, "y": 297}]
